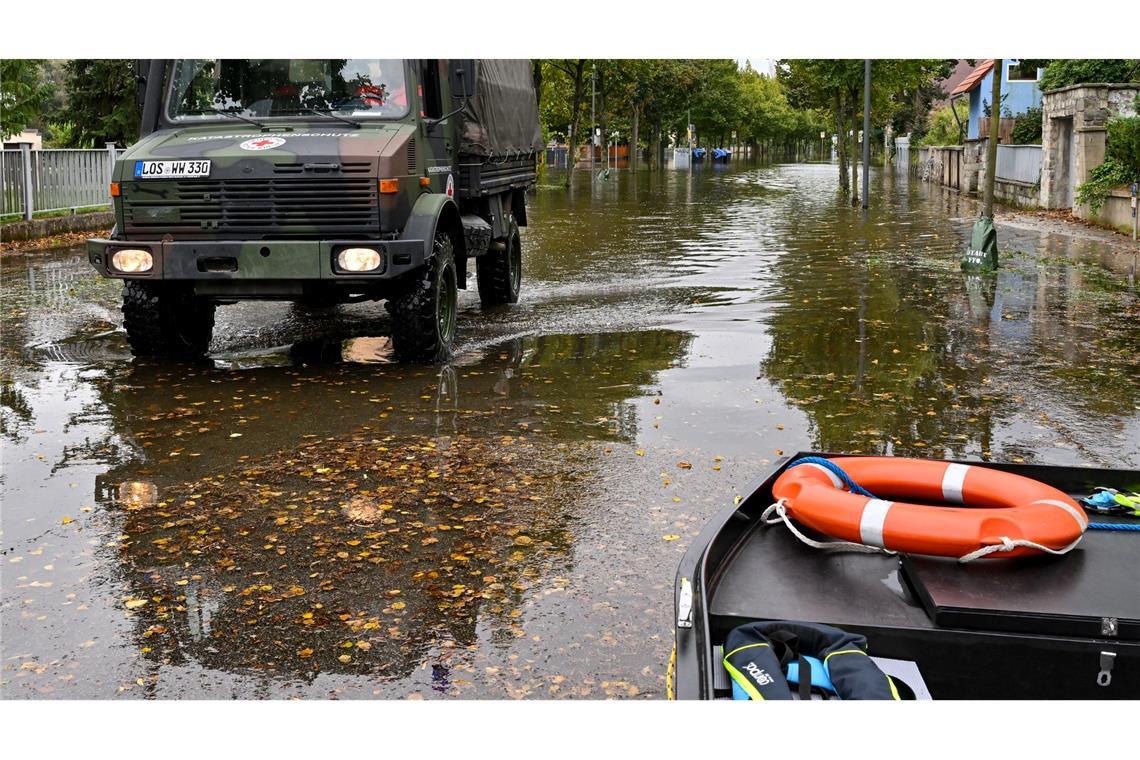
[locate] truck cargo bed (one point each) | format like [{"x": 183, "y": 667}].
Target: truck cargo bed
[{"x": 479, "y": 178}]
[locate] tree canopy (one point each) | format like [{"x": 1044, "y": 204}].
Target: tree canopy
[
  {"x": 22, "y": 94},
  {"x": 1063, "y": 72},
  {"x": 101, "y": 102}
]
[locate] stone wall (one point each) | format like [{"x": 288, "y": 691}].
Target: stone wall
[
  {"x": 1021, "y": 194},
  {"x": 974, "y": 165},
  {"x": 1116, "y": 211},
  {"x": 1073, "y": 137}
]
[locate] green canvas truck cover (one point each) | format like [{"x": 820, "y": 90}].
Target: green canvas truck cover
[{"x": 501, "y": 120}]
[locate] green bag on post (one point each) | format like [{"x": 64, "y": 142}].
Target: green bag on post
[{"x": 982, "y": 253}]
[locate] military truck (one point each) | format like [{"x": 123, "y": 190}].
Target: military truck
[{"x": 320, "y": 182}]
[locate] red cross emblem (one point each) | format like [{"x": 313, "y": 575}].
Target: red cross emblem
[{"x": 262, "y": 143}]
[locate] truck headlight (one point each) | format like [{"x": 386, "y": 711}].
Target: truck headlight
[
  {"x": 358, "y": 259},
  {"x": 132, "y": 260}
]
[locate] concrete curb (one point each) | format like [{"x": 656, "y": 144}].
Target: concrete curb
[{"x": 56, "y": 225}]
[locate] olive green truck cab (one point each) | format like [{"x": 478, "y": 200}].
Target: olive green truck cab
[{"x": 321, "y": 182}]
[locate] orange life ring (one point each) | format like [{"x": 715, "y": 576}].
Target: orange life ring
[{"x": 1001, "y": 512}]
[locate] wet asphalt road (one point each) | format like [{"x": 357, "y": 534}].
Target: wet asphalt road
[{"x": 300, "y": 517}]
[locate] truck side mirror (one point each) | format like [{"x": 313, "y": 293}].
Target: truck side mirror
[
  {"x": 461, "y": 78},
  {"x": 141, "y": 70}
]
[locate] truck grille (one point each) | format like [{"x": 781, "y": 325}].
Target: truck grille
[{"x": 253, "y": 208}]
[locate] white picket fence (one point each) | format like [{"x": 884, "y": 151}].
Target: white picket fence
[
  {"x": 55, "y": 180},
  {"x": 1019, "y": 163}
]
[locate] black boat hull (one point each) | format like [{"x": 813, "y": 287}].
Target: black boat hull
[{"x": 739, "y": 570}]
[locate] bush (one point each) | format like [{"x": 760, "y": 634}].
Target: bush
[
  {"x": 1064, "y": 72},
  {"x": 944, "y": 129},
  {"x": 1027, "y": 128}
]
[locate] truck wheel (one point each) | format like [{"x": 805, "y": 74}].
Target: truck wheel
[
  {"x": 165, "y": 320},
  {"x": 500, "y": 272},
  {"x": 423, "y": 315}
]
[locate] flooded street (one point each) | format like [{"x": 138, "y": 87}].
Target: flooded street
[{"x": 298, "y": 516}]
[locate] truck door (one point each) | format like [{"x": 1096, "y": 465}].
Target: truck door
[{"x": 437, "y": 157}]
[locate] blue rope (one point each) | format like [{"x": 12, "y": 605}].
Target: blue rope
[
  {"x": 827, "y": 464},
  {"x": 854, "y": 487}
]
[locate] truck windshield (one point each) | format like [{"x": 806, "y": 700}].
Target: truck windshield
[{"x": 206, "y": 89}]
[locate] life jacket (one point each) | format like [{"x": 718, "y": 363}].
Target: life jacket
[{"x": 760, "y": 656}]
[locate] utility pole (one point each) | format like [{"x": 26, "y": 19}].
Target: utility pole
[{"x": 866, "y": 128}]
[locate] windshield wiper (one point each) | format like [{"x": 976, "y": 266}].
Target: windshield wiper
[
  {"x": 210, "y": 111},
  {"x": 237, "y": 115},
  {"x": 328, "y": 112}
]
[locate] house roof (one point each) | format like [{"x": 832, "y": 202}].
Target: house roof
[
  {"x": 947, "y": 85},
  {"x": 975, "y": 77}
]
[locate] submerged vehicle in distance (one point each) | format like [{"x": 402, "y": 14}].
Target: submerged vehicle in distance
[{"x": 320, "y": 182}]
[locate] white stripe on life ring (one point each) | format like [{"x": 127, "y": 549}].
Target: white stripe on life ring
[
  {"x": 952, "y": 481},
  {"x": 871, "y": 523},
  {"x": 1077, "y": 514},
  {"x": 835, "y": 481}
]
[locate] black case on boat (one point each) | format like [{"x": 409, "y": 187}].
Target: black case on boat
[{"x": 1092, "y": 591}]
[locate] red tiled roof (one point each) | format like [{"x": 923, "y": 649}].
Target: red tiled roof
[{"x": 975, "y": 77}]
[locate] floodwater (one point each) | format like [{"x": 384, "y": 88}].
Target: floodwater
[{"x": 298, "y": 516}]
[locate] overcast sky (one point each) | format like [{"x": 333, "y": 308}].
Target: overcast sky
[{"x": 763, "y": 65}]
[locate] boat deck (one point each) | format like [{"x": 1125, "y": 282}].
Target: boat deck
[{"x": 1031, "y": 627}]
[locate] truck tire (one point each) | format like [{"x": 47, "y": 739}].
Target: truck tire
[
  {"x": 500, "y": 272},
  {"x": 424, "y": 314},
  {"x": 165, "y": 320}
]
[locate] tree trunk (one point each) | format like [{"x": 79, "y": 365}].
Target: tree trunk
[
  {"x": 841, "y": 140},
  {"x": 654, "y": 144},
  {"x": 572, "y": 148},
  {"x": 633, "y": 138},
  {"x": 991, "y": 148}
]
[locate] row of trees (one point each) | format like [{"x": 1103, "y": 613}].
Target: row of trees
[
  {"x": 650, "y": 101},
  {"x": 901, "y": 93}
]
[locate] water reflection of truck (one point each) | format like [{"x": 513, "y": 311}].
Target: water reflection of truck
[{"x": 323, "y": 182}]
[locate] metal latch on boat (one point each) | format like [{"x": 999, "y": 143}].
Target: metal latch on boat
[
  {"x": 685, "y": 605},
  {"x": 1104, "y": 677}
]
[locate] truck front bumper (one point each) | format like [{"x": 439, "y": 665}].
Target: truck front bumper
[{"x": 257, "y": 259}]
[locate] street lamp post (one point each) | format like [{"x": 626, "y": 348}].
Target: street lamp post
[{"x": 866, "y": 128}]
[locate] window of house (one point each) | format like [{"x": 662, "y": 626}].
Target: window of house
[{"x": 1023, "y": 71}]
